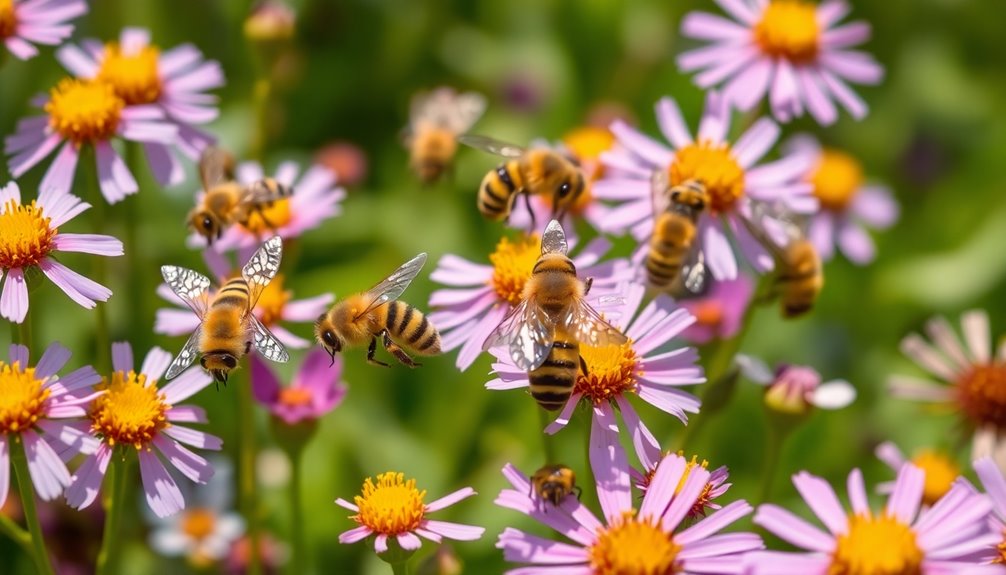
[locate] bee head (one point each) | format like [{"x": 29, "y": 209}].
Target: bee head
[
  {"x": 324, "y": 332},
  {"x": 206, "y": 225},
  {"x": 219, "y": 365}
]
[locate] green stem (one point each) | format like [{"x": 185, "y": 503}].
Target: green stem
[
  {"x": 298, "y": 559},
  {"x": 775, "y": 440},
  {"x": 548, "y": 441},
  {"x": 14, "y": 531},
  {"x": 19, "y": 461},
  {"x": 23, "y": 330},
  {"x": 115, "y": 484},
  {"x": 134, "y": 254},
  {"x": 102, "y": 340},
  {"x": 588, "y": 485},
  {"x": 246, "y": 466},
  {"x": 401, "y": 568}
]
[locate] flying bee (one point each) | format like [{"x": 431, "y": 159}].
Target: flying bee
[
  {"x": 675, "y": 259},
  {"x": 226, "y": 202},
  {"x": 228, "y": 329},
  {"x": 538, "y": 171},
  {"x": 799, "y": 275},
  {"x": 553, "y": 483},
  {"x": 377, "y": 313},
  {"x": 435, "y": 120},
  {"x": 544, "y": 332}
]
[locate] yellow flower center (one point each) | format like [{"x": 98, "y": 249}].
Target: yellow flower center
[
  {"x": 941, "y": 472},
  {"x": 198, "y": 522},
  {"x": 270, "y": 218},
  {"x": 699, "y": 507},
  {"x": 25, "y": 235},
  {"x": 8, "y": 20},
  {"x": 876, "y": 546},
  {"x": 715, "y": 165},
  {"x": 134, "y": 77},
  {"x": 270, "y": 304},
  {"x": 1001, "y": 549},
  {"x": 512, "y": 264},
  {"x": 836, "y": 179},
  {"x": 295, "y": 396},
  {"x": 84, "y": 111},
  {"x": 708, "y": 312},
  {"x": 789, "y": 29},
  {"x": 981, "y": 393},
  {"x": 611, "y": 371},
  {"x": 22, "y": 399},
  {"x": 636, "y": 546},
  {"x": 132, "y": 411},
  {"x": 391, "y": 506},
  {"x": 587, "y": 143}
]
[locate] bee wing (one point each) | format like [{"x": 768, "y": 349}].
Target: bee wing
[
  {"x": 393, "y": 286},
  {"x": 694, "y": 273},
  {"x": 445, "y": 108},
  {"x": 467, "y": 110},
  {"x": 528, "y": 333},
  {"x": 216, "y": 166},
  {"x": 266, "y": 343},
  {"x": 189, "y": 285},
  {"x": 492, "y": 145},
  {"x": 660, "y": 182},
  {"x": 262, "y": 267},
  {"x": 187, "y": 354},
  {"x": 774, "y": 226},
  {"x": 553, "y": 239},
  {"x": 264, "y": 192},
  {"x": 589, "y": 327}
]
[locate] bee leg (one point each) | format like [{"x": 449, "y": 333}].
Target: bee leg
[
  {"x": 371, "y": 351},
  {"x": 397, "y": 351},
  {"x": 527, "y": 204},
  {"x": 248, "y": 345},
  {"x": 578, "y": 490},
  {"x": 583, "y": 365},
  {"x": 587, "y": 284}
]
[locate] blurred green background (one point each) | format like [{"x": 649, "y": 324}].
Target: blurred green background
[{"x": 935, "y": 135}]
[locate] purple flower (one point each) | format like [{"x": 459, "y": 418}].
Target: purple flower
[
  {"x": 133, "y": 412},
  {"x": 940, "y": 469},
  {"x": 45, "y": 22},
  {"x": 719, "y": 312},
  {"x": 29, "y": 237},
  {"x": 715, "y": 487},
  {"x": 995, "y": 486},
  {"x": 730, "y": 173},
  {"x": 632, "y": 537},
  {"x": 34, "y": 404},
  {"x": 899, "y": 539},
  {"x": 315, "y": 391},
  {"x": 796, "y": 389},
  {"x": 795, "y": 52}
]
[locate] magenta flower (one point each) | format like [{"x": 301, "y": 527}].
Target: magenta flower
[
  {"x": 730, "y": 172},
  {"x": 715, "y": 487},
  {"x": 898, "y": 539},
  {"x": 796, "y": 389},
  {"x": 995, "y": 487},
  {"x": 46, "y": 22},
  {"x": 315, "y": 391},
  {"x": 30, "y": 237},
  {"x": 175, "y": 82},
  {"x": 792, "y": 51},
  {"x": 132, "y": 411},
  {"x": 35, "y": 403},
  {"x": 719, "y": 312},
  {"x": 633, "y": 537}
]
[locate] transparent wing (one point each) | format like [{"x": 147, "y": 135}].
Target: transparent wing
[
  {"x": 392, "y": 287},
  {"x": 186, "y": 356},
  {"x": 527, "y": 332},
  {"x": 553, "y": 239},
  {"x": 446, "y": 108},
  {"x": 267, "y": 190},
  {"x": 266, "y": 343},
  {"x": 189, "y": 285},
  {"x": 467, "y": 110},
  {"x": 694, "y": 273},
  {"x": 492, "y": 145},
  {"x": 659, "y": 191},
  {"x": 216, "y": 166},
  {"x": 774, "y": 226},
  {"x": 262, "y": 267},
  {"x": 589, "y": 327}
]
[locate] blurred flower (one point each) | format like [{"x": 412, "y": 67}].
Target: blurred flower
[
  {"x": 848, "y": 205},
  {"x": 443, "y": 561},
  {"x": 87, "y": 113},
  {"x": 40, "y": 21},
  {"x": 315, "y": 390},
  {"x": 34, "y": 402},
  {"x": 29, "y": 237},
  {"x": 730, "y": 172},
  {"x": 973, "y": 380},
  {"x": 393, "y": 507},
  {"x": 897, "y": 540},
  {"x": 274, "y": 305},
  {"x": 995, "y": 487},
  {"x": 272, "y": 555},
  {"x": 132, "y": 411},
  {"x": 272, "y": 468},
  {"x": 719, "y": 312},
  {"x": 715, "y": 487},
  {"x": 270, "y": 21},
  {"x": 346, "y": 160},
  {"x": 628, "y": 540},
  {"x": 941, "y": 471},
  {"x": 790, "y": 50},
  {"x": 796, "y": 389},
  {"x": 478, "y": 297}
]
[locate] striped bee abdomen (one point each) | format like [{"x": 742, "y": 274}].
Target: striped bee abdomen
[
  {"x": 410, "y": 328},
  {"x": 496, "y": 193},
  {"x": 552, "y": 383},
  {"x": 233, "y": 292},
  {"x": 672, "y": 237}
]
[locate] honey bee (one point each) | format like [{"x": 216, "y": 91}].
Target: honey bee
[
  {"x": 553, "y": 483},
  {"x": 538, "y": 171},
  {"x": 675, "y": 259},
  {"x": 544, "y": 332},
  {"x": 376, "y": 313},
  {"x": 227, "y": 328},
  {"x": 435, "y": 120},
  {"x": 225, "y": 201},
  {"x": 799, "y": 275}
]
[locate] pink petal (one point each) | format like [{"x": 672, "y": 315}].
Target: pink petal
[
  {"x": 27, "y": 159},
  {"x": 53, "y": 359},
  {"x": 705, "y": 26},
  {"x": 162, "y": 493},
  {"x": 792, "y": 529},
  {"x": 672, "y": 123},
  {"x": 59, "y": 176},
  {"x": 185, "y": 385},
  {"x": 975, "y": 325},
  {"x": 155, "y": 364},
  {"x": 77, "y": 61},
  {"x": 748, "y": 87},
  {"x": 609, "y": 464},
  {"x": 719, "y": 254},
  {"x": 409, "y": 541},
  {"x": 818, "y": 102},
  {"x": 856, "y": 244},
  {"x": 265, "y": 384},
  {"x": 520, "y": 547},
  {"x": 114, "y": 176},
  {"x": 354, "y": 535},
  {"x": 191, "y": 465},
  {"x": 756, "y": 142},
  {"x": 14, "y": 298},
  {"x": 715, "y": 118},
  {"x": 647, "y": 446},
  {"x": 4, "y": 469},
  {"x": 648, "y": 149},
  {"x": 739, "y": 10},
  {"x": 86, "y": 482},
  {"x": 194, "y": 438},
  {"x": 80, "y": 289},
  {"x": 48, "y": 472},
  {"x": 450, "y": 499},
  {"x": 96, "y": 244},
  {"x": 714, "y": 523},
  {"x": 454, "y": 530},
  {"x": 876, "y": 206},
  {"x": 662, "y": 486},
  {"x": 167, "y": 170},
  {"x": 821, "y": 499},
  {"x": 907, "y": 496},
  {"x": 187, "y": 414}
]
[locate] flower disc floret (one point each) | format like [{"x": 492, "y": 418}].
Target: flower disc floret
[
  {"x": 271, "y": 302},
  {"x": 135, "y": 77},
  {"x": 512, "y": 263},
  {"x": 8, "y": 19},
  {"x": 981, "y": 392},
  {"x": 84, "y": 111},
  {"x": 391, "y": 505},
  {"x": 22, "y": 399},
  {"x": 789, "y": 29},
  {"x": 612, "y": 370},
  {"x": 131, "y": 412},
  {"x": 634, "y": 545},
  {"x": 941, "y": 472},
  {"x": 876, "y": 546},
  {"x": 26, "y": 235},
  {"x": 716, "y": 166},
  {"x": 837, "y": 179},
  {"x": 198, "y": 523}
]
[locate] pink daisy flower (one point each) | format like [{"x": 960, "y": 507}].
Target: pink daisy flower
[
  {"x": 393, "y": 507},
  {"x": 479, "y": 296},
  {"x": 940, "y": 469},
  {"x": 34, "y": 404},
  {"x": 649, "y": 539},
  {"x": 315, "y": 390},
  {"x": 133, "y": 411},
  {"x": 715, "y": 487},
  {"x": 719, "y": 312},
  {"x": 30, "y": 237},
  {"x": 899, "y": 539},
  {"x": 730, "y": 171},
  {"x": 175, "y": 82},
  {"x": 796, "y": 389},
  {"x": 794, "y": 52},
  {"x": 995, "y": 487},
  {"x": 23, "y": 22}
]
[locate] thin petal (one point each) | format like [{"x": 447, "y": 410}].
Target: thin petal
[{"x": 162, "y": 493}]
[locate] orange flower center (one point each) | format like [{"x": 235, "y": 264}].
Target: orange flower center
[
  {"x": 836, "y": 180},
  {"x": 132, "y": 412},
  {"x": 789, "y": 29},
  {"x": 295, "y": 396},
  {"x": 705, "y": 498},
  {"x": 270, "y": 218},
  {"x": 272, "y": 301},
  {"x": 715, "y": 165},
  {"x": 981, "y": 393},
  {"x": 611, "y": 371},
  {"x": 708, "y": 312},
  {"x": 941, "y": 471},
  {"x": 587, "y": 143},
  {"x": 198, "y": 522},
  {"x": 25, "y": 235},
  {"x": 135, "y": 77},
  {"x": 512, "y": 263},
  {"x": 876, "y": 546},
  {"x": 22, "y": 399},
  {"x": 634, "y": 545},
  {"x": 1001, "y": 549},
  {"x": 391, "y": 506},
  {"x": 84, "y": 111},
  {"x": 8, "y": 20}
]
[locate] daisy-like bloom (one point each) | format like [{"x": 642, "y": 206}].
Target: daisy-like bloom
[
  {"x": 315, "y": 391},
  {"x": 479, "y": 296},
  {"x": 646, "y": 540},
  {"x": 730, "y": 172},
  {"x": 796, "y": 389},
  {"x": 175, "y": 81},
  {"x": 133, "y": 412},
  {"x": 30, "y": 237},
  {"x": 715, "y": 487},
  {"x": 719, "y": 312},
  {"x": 972, "y": 378},
  {"x": 275, "y": 304},
  {"x": 848, "y": 204},
  {"x": 35, "y": 403},
  {"x": 940, "y": 469},
  {"x": 270, "y": 22},
  {"x": 46, "y": 22},
  {"x": 791, "y": 50},
  {"x": 393, "y": 507},
  {"x": 895, "y": 541}
]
